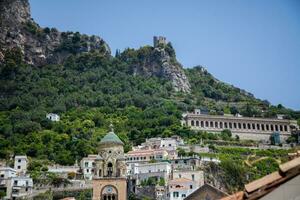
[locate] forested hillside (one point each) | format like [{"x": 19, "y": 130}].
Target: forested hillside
[
  {"x": 143, "y": 92},
  {"x": 89, "y": 91}
]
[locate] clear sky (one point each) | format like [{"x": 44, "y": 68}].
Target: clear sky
[{"x": 254, "y": 45}]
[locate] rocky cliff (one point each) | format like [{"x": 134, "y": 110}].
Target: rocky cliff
[
  {"x": 40, "y": 46},
  {"x": 160, "y": 62}
]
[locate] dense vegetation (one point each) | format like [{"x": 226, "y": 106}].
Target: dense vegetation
[{"x": 91, "y": 90}]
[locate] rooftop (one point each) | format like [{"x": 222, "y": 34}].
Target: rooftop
[{"x": 111, "y": 137}]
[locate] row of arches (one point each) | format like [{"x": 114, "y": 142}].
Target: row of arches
[{"x": 239, "y": 125}]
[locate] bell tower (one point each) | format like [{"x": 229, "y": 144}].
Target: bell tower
[{"x": 109, "y": 182}]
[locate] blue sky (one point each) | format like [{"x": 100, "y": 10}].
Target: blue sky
[{"x": 254, "y": 45}]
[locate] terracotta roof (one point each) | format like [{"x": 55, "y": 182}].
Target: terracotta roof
[
  {"x": 250, "y": 187},
  {"x": 237, "y": 196},
  {"x": 177, "y": 181},
  {"x": 266, "y": 184}
]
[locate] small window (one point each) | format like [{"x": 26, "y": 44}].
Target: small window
[
  {"x": 193, "y": 177},
  {"x": 175, "y": 194},
  {"x": 191, "y": 186},
  {"x": 170, "y": 145},
  {"x": 183, "y": 195},
  {"x": 19, "y": 167},
  {"x": 19, "y": 160},
  {"x": 179, "y": 175}
]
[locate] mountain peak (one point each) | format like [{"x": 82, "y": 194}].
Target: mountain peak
[{"x": 41, "y": 46}]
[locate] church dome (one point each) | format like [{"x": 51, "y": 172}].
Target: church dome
[{"x": 111, "y": 138}]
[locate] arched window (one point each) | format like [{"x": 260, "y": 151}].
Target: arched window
[
  {"x": 249, "y": 126},
  {"x": 225, "y": 125},
  {"x": 109, "y": 169},
  {"x": 202, "y": 124},
  {"x": 281, "y": 128},
  {"x": 216, "y": 125},
  {"x": 197, "y": 123},
  {"x": 240, "y": 125},
  {"x": 192, "y": 123},
  {"x": 230, "y": 125},
  {"x": 211, "y": 124},
  {"x": 234, "y": 125},
  {"x": 206, "y": 124},
  {"x": 263, "y": 127},
  {"x": 109, "y": 193}
]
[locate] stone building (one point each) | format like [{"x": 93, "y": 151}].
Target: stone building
[
  {"x": 157, "y": 40},
  {"x": 109, "y": 181},
  {"x": 20, "y": 164},
  {"x": 245, "y": 127}
]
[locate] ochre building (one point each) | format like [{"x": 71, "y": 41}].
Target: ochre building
[{"x": 109, "y": 182}]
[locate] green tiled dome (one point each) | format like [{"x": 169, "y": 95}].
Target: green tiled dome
[{"x": 111, "y": 137}]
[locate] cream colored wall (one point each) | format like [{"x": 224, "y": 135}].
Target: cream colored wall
[
  {"x": 119, "y": 183},
  {"x": 287, "y": 191}
]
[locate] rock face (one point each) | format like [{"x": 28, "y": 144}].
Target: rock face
[
  {"x": 40, "y": 46},
  {"x": 159, "y": 63}
]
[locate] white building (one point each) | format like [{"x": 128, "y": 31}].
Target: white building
[
  {"x": 170, "y": 143},
  {"x": 21, "y": 187},
  {"x": 141, "y": 168},
  {"x": 88, "y": 165},
  {"x": 143, "y": 171},
  {"x": 20, "y": 164},
  {"x": 53, "y": 117},
  {"x": 195, "y": 175},
  {"x": 7, "y": 172},
  {"x": 180, "y": 188}
]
